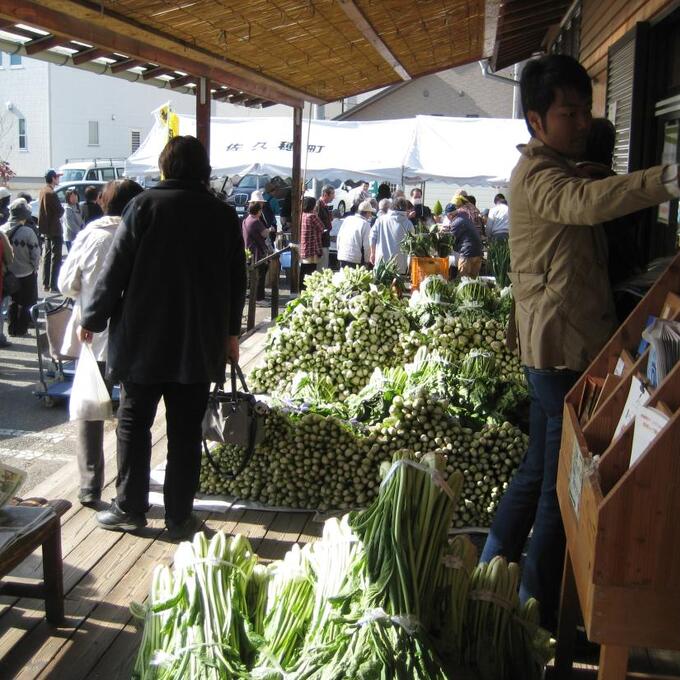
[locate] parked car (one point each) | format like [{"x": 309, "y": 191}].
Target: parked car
[
  {"x": 60, "y": 190},
  {"x": 237, "y": 191},
  {"x": 100, "y": 169}
]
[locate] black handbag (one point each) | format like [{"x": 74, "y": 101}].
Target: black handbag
[
  {"x": 232, "y": 418},
  {"x": 10, "y": 284}
]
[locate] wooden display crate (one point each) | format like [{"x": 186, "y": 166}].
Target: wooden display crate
[{"x": 622, "y": 522}]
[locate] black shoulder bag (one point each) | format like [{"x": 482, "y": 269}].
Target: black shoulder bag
[{"x": 232, "y": 418}]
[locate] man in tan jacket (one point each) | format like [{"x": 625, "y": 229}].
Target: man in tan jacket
[{"x": 564, "y": 305}]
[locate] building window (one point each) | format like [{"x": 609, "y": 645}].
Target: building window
[
  {"x": 15, "y": 60},
  {"x": 135, "y": 140},
  {"x": 93, "y": 133},
  {"x": 23, "y": 143}
]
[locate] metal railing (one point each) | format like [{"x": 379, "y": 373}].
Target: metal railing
[{"x": 254, "y": 273}]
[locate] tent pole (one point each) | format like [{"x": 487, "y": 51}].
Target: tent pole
[
  {"x": 203, "y": 113},
  {"x": 296, "y": 197}
]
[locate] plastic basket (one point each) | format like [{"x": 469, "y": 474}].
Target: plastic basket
[{"x": 422, "y": 267}]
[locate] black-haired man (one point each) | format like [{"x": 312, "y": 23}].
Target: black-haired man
[
  {"x": 173, "y": 285},
  {"x": 49, "y": 223},
  {"x": 564, "y": 306}
]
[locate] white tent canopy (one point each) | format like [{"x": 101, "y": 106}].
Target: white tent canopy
[{"x": 461, "y": 150}]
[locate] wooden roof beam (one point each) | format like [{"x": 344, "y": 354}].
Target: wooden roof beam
[
  {"x": 357, "y": 17},
  {"x": 181, "y": 81},
  {"x": 125, "y": 65},
  {"x": 44, "y": 43},
  {"x": 224, "y": 94},
  {"x": 88, "y": 54},
  {"x": 97, "y": 25},
  {"x": 238, "y": 98},
  {"x": 156, "y": 72}
]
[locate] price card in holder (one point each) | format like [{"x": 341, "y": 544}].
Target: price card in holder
[{"x": 576, "y": 475}]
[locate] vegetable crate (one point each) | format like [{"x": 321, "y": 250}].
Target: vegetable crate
[
  {"x": 621, "y": 521},
  {"x": 422, "y": 267}
]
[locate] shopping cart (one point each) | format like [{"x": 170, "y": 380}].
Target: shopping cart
[{"x": 50, "y": 317}]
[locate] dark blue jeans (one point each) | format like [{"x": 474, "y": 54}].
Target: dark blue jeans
[{"x": 531, "y": 498}]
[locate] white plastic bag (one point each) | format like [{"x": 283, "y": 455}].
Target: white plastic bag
[{"x": 90, "y": 399}]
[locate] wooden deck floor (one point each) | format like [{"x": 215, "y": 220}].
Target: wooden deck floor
[{"x": 104, "y": 571}]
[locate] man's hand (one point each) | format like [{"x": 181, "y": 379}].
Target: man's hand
[
  {"x": 232, "y": 349},
  {"x": 84, "y": 335}
]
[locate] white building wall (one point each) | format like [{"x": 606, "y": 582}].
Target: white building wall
[
  {"x": 119, "y": 107},
  {"x": 26, "y": 89}
]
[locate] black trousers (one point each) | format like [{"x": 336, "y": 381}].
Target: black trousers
[
  {"x": 52, "y": 262},
  {"x": 184, "y": 409},
  {"x": 304, "y": 270},
  {"x": 18, "y": 314}
]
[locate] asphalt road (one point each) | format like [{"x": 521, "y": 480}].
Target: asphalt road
[{"x": 33, "y": 437}]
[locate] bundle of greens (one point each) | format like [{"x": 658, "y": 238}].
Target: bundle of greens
[
  {"x": 194, "y": 622},
  {"x": 498, "y": 257},
  {"x": 428, "y": 241},
  {"x": 383, "y": 594}
]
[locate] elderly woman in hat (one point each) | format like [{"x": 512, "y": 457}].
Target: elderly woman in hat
[
  {"x": 26, "y": 247},
  {"x": 464, "y": 204},
  {"x": 255, "y": 236}
]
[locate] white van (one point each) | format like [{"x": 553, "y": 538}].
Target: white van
[{"x": 85, "y": 169}]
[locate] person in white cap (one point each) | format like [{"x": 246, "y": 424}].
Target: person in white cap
[{"x": 354, "y": 243}]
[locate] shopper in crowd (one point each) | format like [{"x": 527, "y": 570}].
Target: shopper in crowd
[
  {"x": 77, "y": 279},
  {"x": 462, "y": 202},
  {"x": 324, "y": 212},
  {"x": 498, "y": 219},
  {"x": 256, "y": 238},
  {"x": 72, "y": 219},
  {"x": 625, "y": 253},
  {"x": 24, "y": 266},
  {"x": 384, "y": 191},
  {"x": 6, "y": 258},
  {"x": 5, "y": 197},
  {"x": 398, "y": 193},
  {"x": 285, "y": 196},
  {"x": 420, "y": 212},
  {"x": 32, "y": 221},
  {"x": 311, "y": 238},
  {"x": 468, "y": 243},
  {"x": 359, "y": 193},
  {"x": 173, "y": 285},
  {"x": 387, "y": 234},
  {"x": 49, "y": 223},
  {"x": 90, "y": 208},
  {"x": 565, "y": 312},
  {"x": 354, "y": 242},
  {"x": 383, "y": 206}
]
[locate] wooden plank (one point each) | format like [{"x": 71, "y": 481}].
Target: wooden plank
[
  {"x": 282, "y": 534},
  {"x": 613, "y": 663},
  {"x": 254, "y": 525},
  {"x": 107, "y": 618},
  {"x": 41, "y": 645}
]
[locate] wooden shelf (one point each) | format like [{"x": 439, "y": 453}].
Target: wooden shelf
[{"x": 622, "y": 522}]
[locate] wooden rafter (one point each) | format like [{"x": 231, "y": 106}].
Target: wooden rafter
[
  {"x": 88, "y": 54},
  {"x": 182, "y": 81},
  {"x": 43, "y": 43},
  {"x": 126, "y": 65},
  {"x": 363, "y": 25},
  {"x": 155, "y": 72}
]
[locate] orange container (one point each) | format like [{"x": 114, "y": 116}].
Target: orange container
[{"x": 422, "y": 267}]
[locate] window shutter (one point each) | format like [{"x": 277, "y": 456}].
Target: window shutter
[
  {"x": 625, "y": 97},
  {"x": 135, "y": 140}
]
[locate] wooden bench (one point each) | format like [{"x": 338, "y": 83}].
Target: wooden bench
[{"x": 47, "y": 536}]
